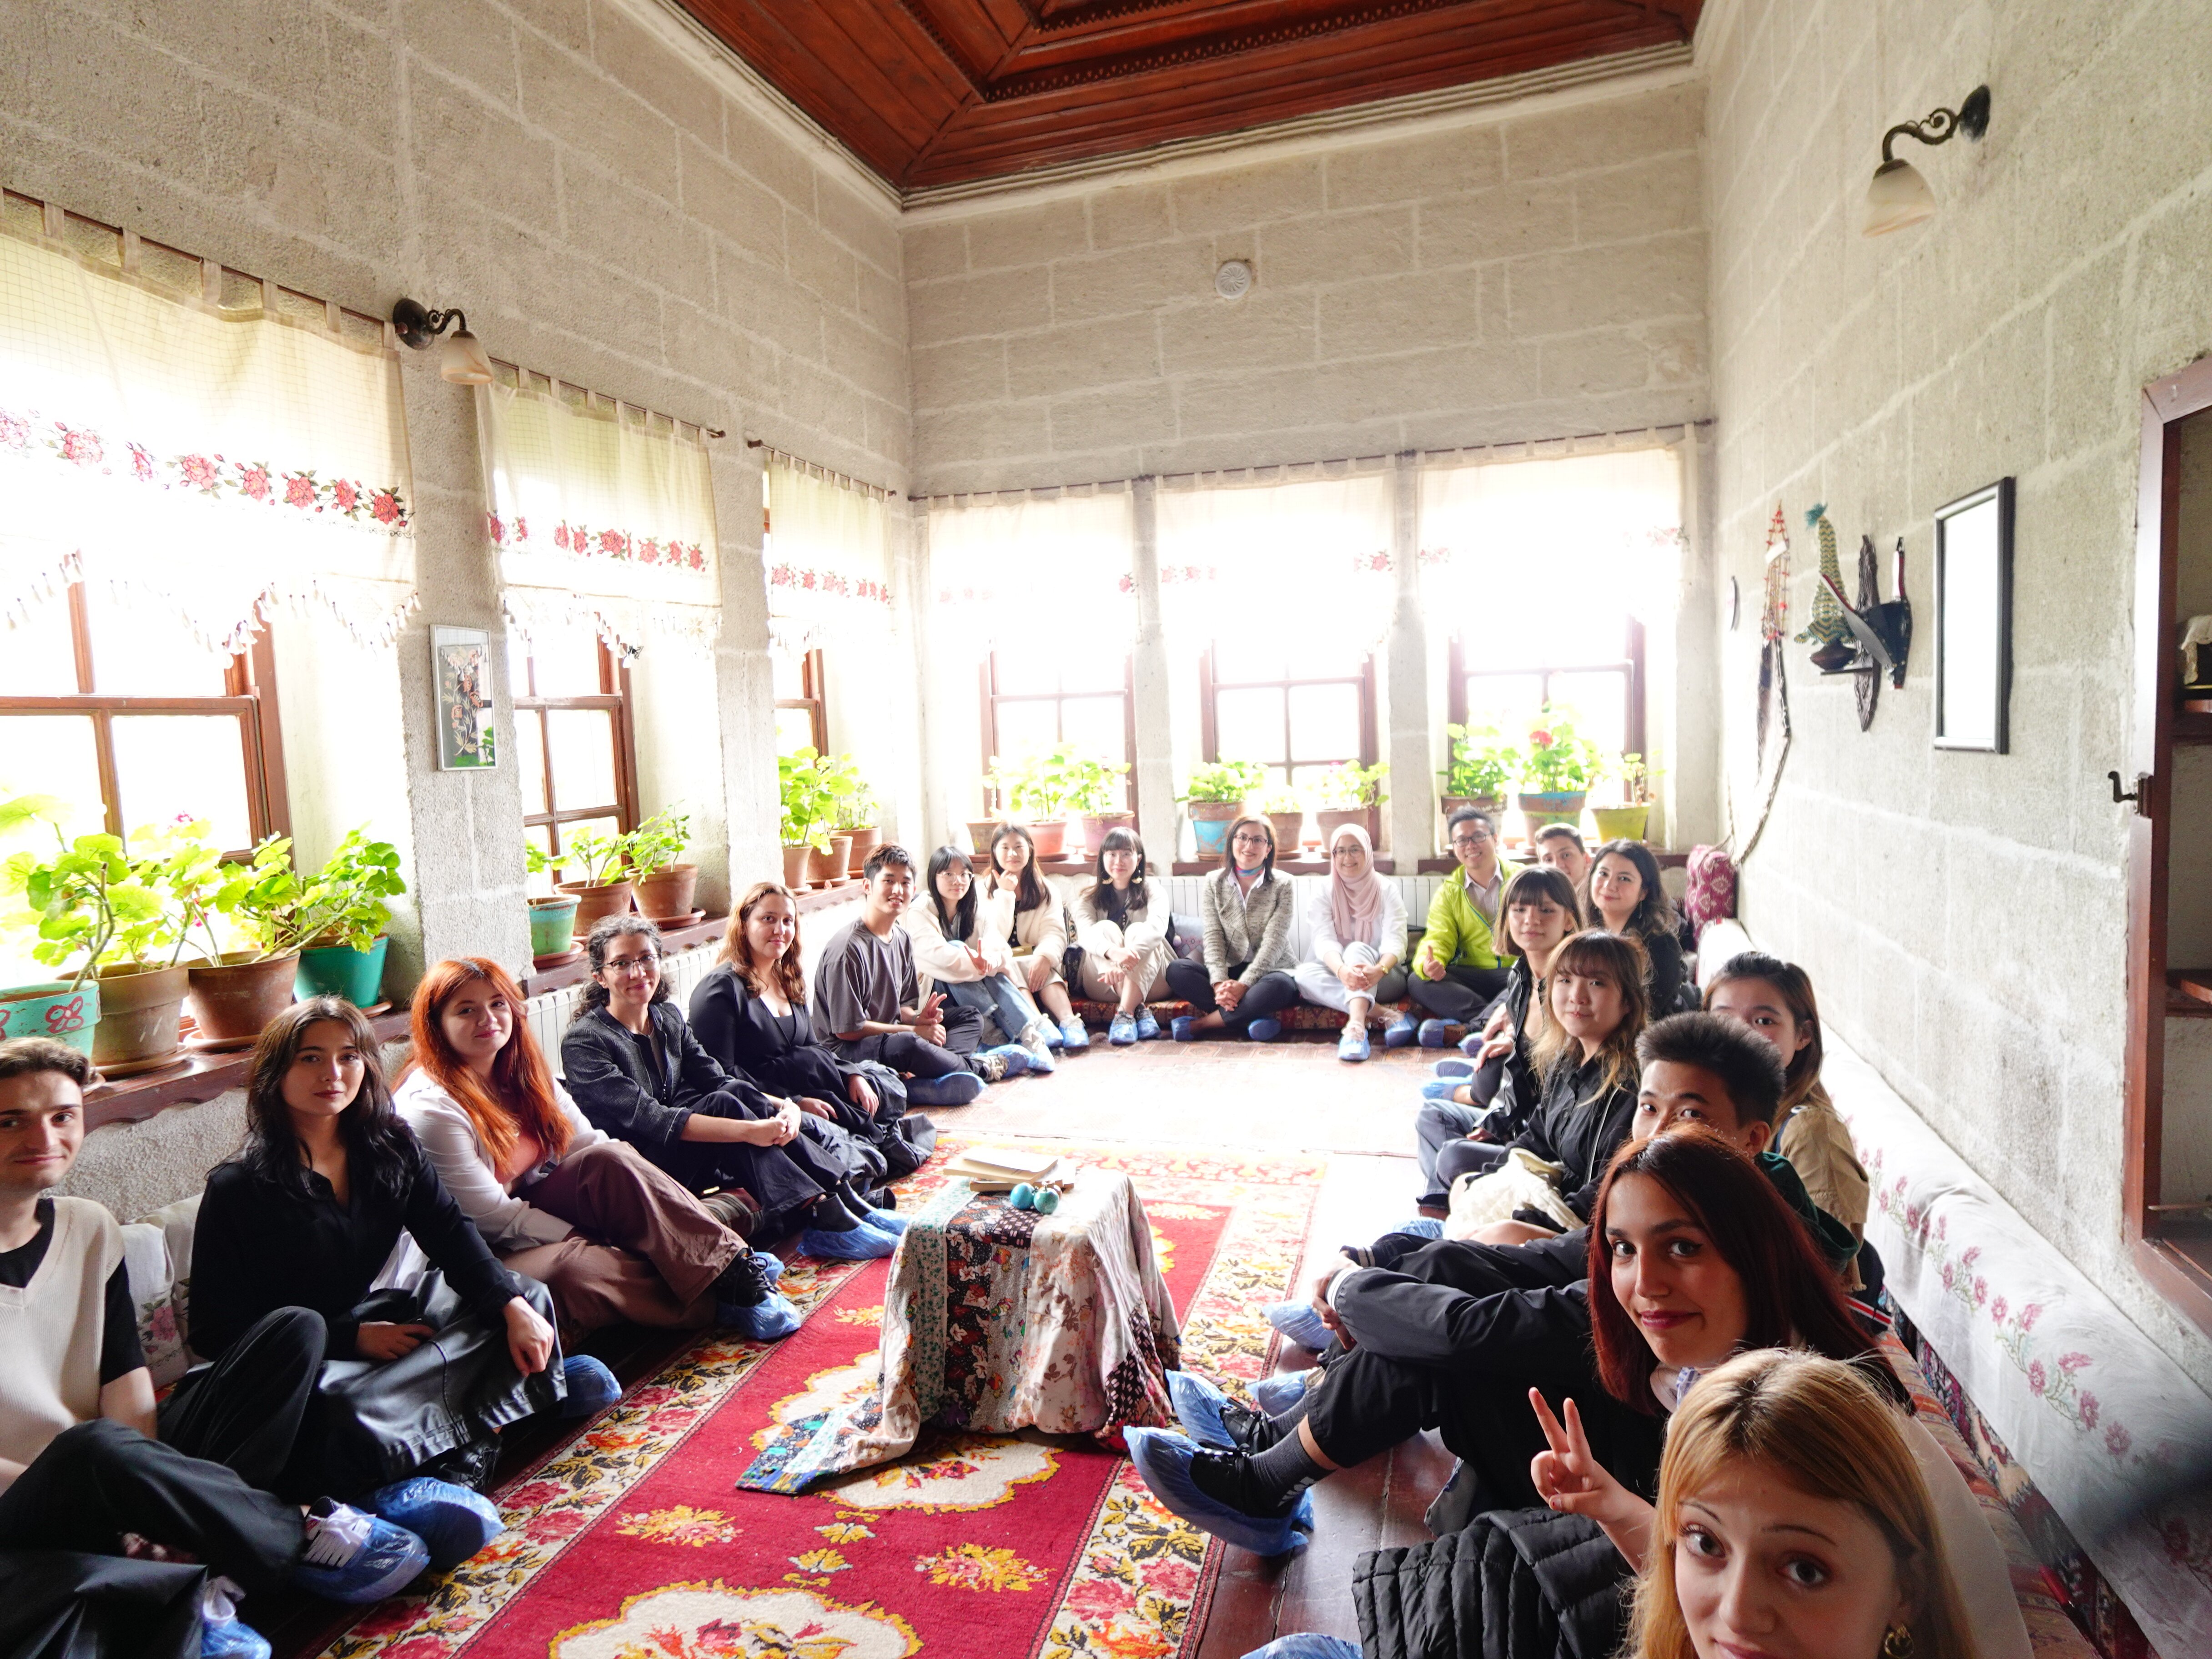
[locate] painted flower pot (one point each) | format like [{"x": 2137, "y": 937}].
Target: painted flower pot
[
  {"x": 1095, "y": 825},
  {"x": 1489, "y": 804},
  {"x": 866, "y": 840},
  {"x": 597, "y": 899},
  {"x": 339, "y": 970},
  {"x": 552, "y": 925},
  {"x": 1288, "y": 827},
  {"x": 1209, "y": 823},
  {"x": 1621, "y": 822},
  {"x": 51, "y": 1008},
  {"x": 666, "y": 894},
  {"x": 825, "y": 868},
  {"x": 232, "y": 997},
  {"x": 1051, "y": 838},
  {"x": 980, "y": 831},
  {"x": 1541, "y": 807},
  {"x": 794, "y": 865},
  {"x": 139, "y": 1009}
]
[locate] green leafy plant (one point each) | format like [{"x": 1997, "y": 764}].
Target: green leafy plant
[
  {"x": 810, "y": 785},
  {"x": 1283, "y": 801},
  {"x": 1350, "y": 787},
  {"x": 1044, "y": 787},
  {"x": 535, "y": 859},
  {"x": 858, "y": 810},
  {"x": 659, "y": 841},
  {"x": 1225, "y": 781},
  {"x": 598, "y": 858},
  {"x": 1482, "y": 762},
  {"x": 345, "y": 902},
  {"x": 1557, "y": 759},
  {"x": 1635, "y": 778},
  {"x": 98, "y": 905},
  {"x": 1092, "y": 783}
]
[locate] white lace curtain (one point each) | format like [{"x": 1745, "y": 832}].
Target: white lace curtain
[
  {"x": 603, "y": 516},
  {"x": 209, "y": 461},
  {"x": 828, "y": 563},
  {"x": 1305, "y": 563},
  {"x": 1006, "y": 569}
]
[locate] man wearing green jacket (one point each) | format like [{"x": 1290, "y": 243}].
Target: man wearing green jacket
[{"x": 1460, "y": 969}]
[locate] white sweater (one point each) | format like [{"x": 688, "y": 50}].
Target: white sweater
[
  {"x": 1328, "y": 949},
  {"x": 464, "y": 1163},
  {"x": 939, "y": 959},
  {"x": 1041, "y": 932},
  {"x": 52, "y": 1329}
]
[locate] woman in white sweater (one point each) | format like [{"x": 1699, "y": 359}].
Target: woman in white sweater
[
  {"x": 1126, "y": 951},
  {"x": 611, "y": 1237},
  {"x": 971, "y": 962},
  {"x": 1358, "y": 924},
  {"x": 1027, "y": 909}
]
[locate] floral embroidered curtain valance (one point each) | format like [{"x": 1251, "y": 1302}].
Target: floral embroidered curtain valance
[
  {"x": 214, "y": 461},
  {"x": 604, "y": 516},
  {"x": 1309, "y": 563},
  {"x": 829, "y": 564}
]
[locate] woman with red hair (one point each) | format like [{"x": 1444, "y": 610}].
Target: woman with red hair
[{"x": 610, "y": 1236}]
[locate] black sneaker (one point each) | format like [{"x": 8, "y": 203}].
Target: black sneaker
[
  {"x": 1253, "y": 1432},
  {"x": 1228, "y": 1478},
  {"x": 743, "y": 1283}
]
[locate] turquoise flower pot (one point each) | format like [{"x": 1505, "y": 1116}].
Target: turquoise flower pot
[
  {"x": 52, "y": 1009},
  {"x": 339, "y": 970}
]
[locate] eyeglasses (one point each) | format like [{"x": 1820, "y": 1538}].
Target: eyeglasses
[
  {"x": 630, "y": 964},
  {"x": 1251, "y": 841},
  {"x": 1473, "y": 838}
]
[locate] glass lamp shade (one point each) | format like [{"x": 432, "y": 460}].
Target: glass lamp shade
[
  {"x": 462, "y": 360},
  {"x": 1898, "y": 197}
]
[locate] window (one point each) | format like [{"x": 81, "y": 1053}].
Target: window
[
  {"x": 802, "y": 719},
  {"x": 1296, "y": 713},
  {"x": 1592, "y": 668},
  {"x": 573, "y": 740},
  {"x": 102, "y": 701},
  {"x": 1059, "y": 695}
]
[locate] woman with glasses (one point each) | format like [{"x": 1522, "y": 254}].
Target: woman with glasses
[
  {"x": 1462, "y": 967},
  {"x": 1246, "y": 979}
]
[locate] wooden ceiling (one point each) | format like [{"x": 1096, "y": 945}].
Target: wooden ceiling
[{"x": 939, "y": 92}]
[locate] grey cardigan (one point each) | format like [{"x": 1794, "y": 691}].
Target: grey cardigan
[{"x": 1254, "y": 929}]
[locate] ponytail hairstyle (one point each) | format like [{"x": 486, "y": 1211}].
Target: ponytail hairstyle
[
  {"x": 961, "y": 923},
  {"x": 1794, "y": 985},
  {"x": 378, "y": 1141},
  {"x": 785, "y": 973},
  {"x": 1805, "y": 1423},
  {"x": 1619, "y": 957},
  {"x": 1032, "y": 894},
  {"x": 520, "y": 1098}
]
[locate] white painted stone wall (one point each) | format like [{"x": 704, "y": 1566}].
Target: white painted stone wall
[{"x": 1961, "y": 914}]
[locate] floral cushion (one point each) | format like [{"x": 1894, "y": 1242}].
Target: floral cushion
[
  {"x": 1710, "y": 895},
  {"x": 157, "y": 1255}
]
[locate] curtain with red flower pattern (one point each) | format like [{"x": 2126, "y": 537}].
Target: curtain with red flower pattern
[
  {"x": 827, "y": 557},
  {"x": 212, "y": 459}
]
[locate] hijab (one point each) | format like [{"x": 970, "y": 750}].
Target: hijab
[{"x": 1355, "y": 906}]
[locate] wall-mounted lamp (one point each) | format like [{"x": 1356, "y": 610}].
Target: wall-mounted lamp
[
  {"x": 462, "y": 361},
  {"x": 1898, "y": 196}
]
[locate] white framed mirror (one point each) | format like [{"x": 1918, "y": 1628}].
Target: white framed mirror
[{"x": 1973, "y": 620}]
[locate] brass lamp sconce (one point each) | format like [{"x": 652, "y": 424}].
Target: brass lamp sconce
[
  {"x": 463, "y": 360},
  {"x": 1898, "y": 196}
]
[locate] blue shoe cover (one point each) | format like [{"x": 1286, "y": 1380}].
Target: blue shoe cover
[
  {"x": 954, "y": 1089},
  {"x": 1437, "y": 1033},
  {"x": 386, "y": 1560},
  {"x": 1352, "y": 1045},
  {"x": 453, "y": 1521},
  {"x": 1147, "y": 1027},
  {"x": 1299, "y": 1321},
  {"x": 884, "y": 1221},
  {"x": 1013, "y": 1057},
  {"x": 1441, "y": 1088},
  {"x": 1400, "y": 1033},
  {"x": 1183, "y": 1028},
  {"x": 1470, "y": 1044},
  {"x": 1422, "y": 1226},
  {"x": 1123, "y": 1033},
  {"x": 1073, "y": 1036},
  {"x": 1198, "y": 1408},
  {"x": 1458, "y": 1071},
  {"x": 226, "y": 1638},
  {"x": 591, "y": 1386},
  {"x": 769, "y": 1319},
  {"x": 1263, "y": 1030},
  {"x": 770, "y": 1265},
  {"x": 1278, "y": 1393},
  {"x": 861, "y": 1243},
  {"x": 1162, "y": 1458}
]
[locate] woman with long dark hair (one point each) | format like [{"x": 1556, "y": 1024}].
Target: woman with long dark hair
[
  {"x": 610, "y": 1236},
  {"x": 1623, "y": 894},
  {"x": 750, "y": 1012},
  {"x": 305, "y": 1217},
  {"x": 1124, "y": 936},
  {"x": 633, "y": 1066},
  {"x": 953, "y": 949},
  {"x": 1027, "y": 909},
  {"x": 1246, "y": 978}
]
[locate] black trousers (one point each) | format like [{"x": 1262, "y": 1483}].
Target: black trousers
[
  {"x": 1464, "y": 995},
  {"x": 245, "y": 1410},
  {"x": 1264, "y": 998},
  {"x": 903, "y": 1051}
]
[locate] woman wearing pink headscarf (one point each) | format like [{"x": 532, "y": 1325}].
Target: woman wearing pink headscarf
[{"x": 1358, "y": 924}]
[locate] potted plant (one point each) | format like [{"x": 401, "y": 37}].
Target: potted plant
[
  {"x": 605, "y": 889},
  {"x": 1039, "y": 790},
  {"x": 71, "y": 902},
  {"x": 828, "y": 858},
  {"x": 552, "y": 917},
  {"x": 1093, "y": 786},
  {"x": 1350, "y": 793},
  {"x": 1482, "y": 762},
  {"x": 806, "y": 812},
  {"x": 1286, "y": 813},
  {"x": 1628, "y": 821},
  {"x": 858, "y": 815},
  {"x": 1556, "y": 770},
  {"x": 664, "y": 888},
  {"x": 1215, "y": 799},
  {"x": 342, "y": 916},
  {"x": 234, "y": 993}
]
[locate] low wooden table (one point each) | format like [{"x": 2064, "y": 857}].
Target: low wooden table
[{"x": 997, "y": 1318}]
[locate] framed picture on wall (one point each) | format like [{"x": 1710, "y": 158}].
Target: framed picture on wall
[
  {"x": 1973, "y": 620},
  {"x": 460, "y": 669}
]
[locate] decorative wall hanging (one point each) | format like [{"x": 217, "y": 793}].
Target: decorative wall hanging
[
  {"x": 1868, "y": 690},
  {"x": 1826, "y": 627},
  {"x": 460, "y": 665},
  {"x": 2196, "y": 661},
  {"x": 1973, "y": 620},
  {"x": 1773, "y": 622}
]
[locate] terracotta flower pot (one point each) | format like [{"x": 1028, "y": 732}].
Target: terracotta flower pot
[
  {"x": 666, "y": 894},
  {"x": 1095, "y": 825},
  {"x": 866, "y": 840},
  {"x": 139, "y": 1008},
  {"x": 597, "y": 899},
  {"x": 1542, "y": 807},
  {"x": 825, "y": 868},
  {"x": 1209, "y": 822},
  {"x": 232, "y": 997},
  {"x": 1287, "y": 827},
  {"x": 51, "y": 1008},
  {"x": 795, "y": 858},
  {"x": 1051, "y": 838},
  {"x": 1335, "y": 818},
  {"x": 979, "y": 835}
]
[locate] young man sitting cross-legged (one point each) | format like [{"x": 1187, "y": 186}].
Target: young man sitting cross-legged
[
  {"x": 82, "y": 1470},
  {"x": 1449, "y": 1335}
]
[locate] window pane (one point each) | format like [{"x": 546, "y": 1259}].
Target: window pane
[
  {"x": 794, "y": 730},
  {"x": 53, "y": 754},
  {"x": 1093, "y": 662},
  {"x": 568, "y": 664},
  {"x": 148, "y": 653},
  {"x": 1023, "y": 667},
  {"x": 1094, "y": 726},
  {"x": 530, "y": 760},
  {"x": 1507, "y": 701},
  {"x": 191, "y": 766},
  {"x": 583, "y": 756},
  {"x": 1599, "y": 703},
  {"x": 1324, "y": 722},
  {"x": 38, "y": 660},
  {"x": 564, "y": 832},
  {"x": 1244, "y": 658},
  {"x": 1247, "y": 726},
  {"x": 1025, "y": 727},
  {"x": 542, "y": 883},
  {"x": 789, "y": 669},
  {"x": 1560, "y": 636}
]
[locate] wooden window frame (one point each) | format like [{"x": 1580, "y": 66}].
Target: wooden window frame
[
  {"x": 614, "y": 697},
  {"x": 992, "y": 697},
  {"x": 811, "y": 698},
  {"x": 1458, "y": 672},
  {"x": 1209, "y": 685},
  {"x": 249, "y": 697}
]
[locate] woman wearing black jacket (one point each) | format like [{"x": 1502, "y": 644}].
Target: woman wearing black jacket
[
  {"x": 749, "y": 1013},
  {"x": 1622, "y": 895},
  {"x": 634, "y": 1067}
]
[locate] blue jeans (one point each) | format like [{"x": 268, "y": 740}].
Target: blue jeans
[{"x": 999, "y": 997}]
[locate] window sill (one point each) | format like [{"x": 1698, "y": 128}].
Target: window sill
[
  {"x": 201, "y": 1079},
  {"x": 1384, "y": 866},
  {"x": 2178, "y": 1264}
]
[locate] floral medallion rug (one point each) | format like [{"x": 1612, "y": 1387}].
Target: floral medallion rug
[{"x": 634, "y": 1541}]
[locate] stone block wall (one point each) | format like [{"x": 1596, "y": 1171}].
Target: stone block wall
[
  {"x": 1962, "y": 914},
  {"x": 1536, "y": 272}
]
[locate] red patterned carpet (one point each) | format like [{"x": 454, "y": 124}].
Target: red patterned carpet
[{"x": 633, "y": 1541}]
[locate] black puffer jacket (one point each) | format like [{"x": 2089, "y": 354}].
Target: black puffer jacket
[{"x": 1516, "y": 1584}]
